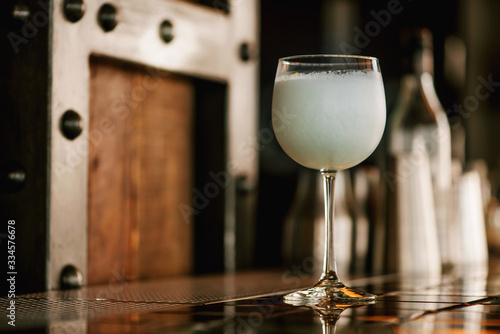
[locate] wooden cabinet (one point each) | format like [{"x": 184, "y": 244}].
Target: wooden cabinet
[{"x": 110, "y": 111}]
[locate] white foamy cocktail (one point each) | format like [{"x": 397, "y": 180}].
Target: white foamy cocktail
[
  {"x": 328, "y": 114},
  {"x": 329, "y": 120}
]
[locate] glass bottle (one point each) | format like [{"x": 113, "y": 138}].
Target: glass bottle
[{"x": 419, "y": 140}]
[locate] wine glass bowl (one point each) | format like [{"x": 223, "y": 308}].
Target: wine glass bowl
[{"x": 329, "y": 114}]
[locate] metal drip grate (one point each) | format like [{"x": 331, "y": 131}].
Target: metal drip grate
[
  {"x": 40, "y": 312},
  {"x": 41, "y": 309}
]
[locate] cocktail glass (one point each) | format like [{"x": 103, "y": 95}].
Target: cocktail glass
[{"x": 329, "y": 114}]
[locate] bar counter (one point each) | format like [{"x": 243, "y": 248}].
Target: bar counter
[{"x": 251, "y": 302}]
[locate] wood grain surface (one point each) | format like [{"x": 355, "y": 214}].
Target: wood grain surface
[{"x": 140, "y": 171}]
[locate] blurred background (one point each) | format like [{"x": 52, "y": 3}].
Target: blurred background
[
  {"x": 128, "y": 154},
  {"x": 464, "y": 50}
]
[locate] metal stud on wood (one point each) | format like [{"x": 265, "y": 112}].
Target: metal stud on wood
[
  {"x": 71, "y": 124},
  {"x": 107, "y": 17},
  {"x": 73, "y": 10}
]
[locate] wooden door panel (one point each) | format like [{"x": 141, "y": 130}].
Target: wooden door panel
[{"x": 140, "y": 171}]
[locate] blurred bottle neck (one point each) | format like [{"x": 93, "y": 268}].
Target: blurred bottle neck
[
  {"x": 418, "y": 53},
  {"x": 420, "y": 62}
]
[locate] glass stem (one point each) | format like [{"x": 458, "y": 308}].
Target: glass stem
[
  {"x": 329, "y": 264},
  {"x": 328, "y": 328}
]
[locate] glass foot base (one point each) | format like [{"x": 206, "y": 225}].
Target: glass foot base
[{"x": 327, "y": 292}]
